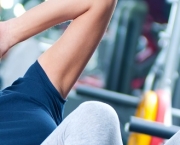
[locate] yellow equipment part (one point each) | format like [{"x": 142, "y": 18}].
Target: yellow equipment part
[{"x": 147, "y": 110}]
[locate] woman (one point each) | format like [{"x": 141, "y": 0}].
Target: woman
[{"x": 31, "y": 108}]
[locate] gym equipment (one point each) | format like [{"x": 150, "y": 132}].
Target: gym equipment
[
  {"x": 154, "y": 103},
  {"x": 153, "y": 107},
  {"x": 154, "y": 77},
  {"x": 151, "y": 128},
  {"x": 176, "y": 99},
  {"x": 167, "y": 64},
  {"x": 130, "y": 24},
  {"x": 107, "y": 95},
  {"x": 123, "y": 102},
  {"x": 147, "y": 109},
  {"x": 160, "y": 117},
  {"x": 84, "y": 91}
]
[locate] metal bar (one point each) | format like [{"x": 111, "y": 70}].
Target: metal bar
[
  {"x": 152, "y": 128},
  {"x": 172, "y": 57},
  {"x": 108, "y": 95},
  {"x": 175, "y": 112}
]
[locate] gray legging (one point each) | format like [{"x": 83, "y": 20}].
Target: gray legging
[{"x": 92, "y": 123}]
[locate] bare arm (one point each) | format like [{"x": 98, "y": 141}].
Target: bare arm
[{"x": 66, "y": 59}]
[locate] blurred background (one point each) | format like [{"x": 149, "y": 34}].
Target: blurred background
[{"x": 130, "y": 60}]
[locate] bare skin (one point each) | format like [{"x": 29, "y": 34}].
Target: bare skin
[
  {"x": 66, "y": 59},
  {"x": 4, "y": 39}
]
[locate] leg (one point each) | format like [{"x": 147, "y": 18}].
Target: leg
[
  {"x": 65, "y": 60},
  {"x": 92, "y": 123}
]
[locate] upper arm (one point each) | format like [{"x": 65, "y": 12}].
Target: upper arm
[{"x": 66, "y": 59}]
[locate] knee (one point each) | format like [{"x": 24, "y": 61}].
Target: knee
[{"x": 100, "y": 112}]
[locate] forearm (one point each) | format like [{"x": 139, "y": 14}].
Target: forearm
[{"x": 45, "y": 15}]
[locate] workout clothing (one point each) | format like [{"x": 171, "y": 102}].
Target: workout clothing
[
  {"x": 92, "y": 123},
  {"x": 30, "y": 109}
]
